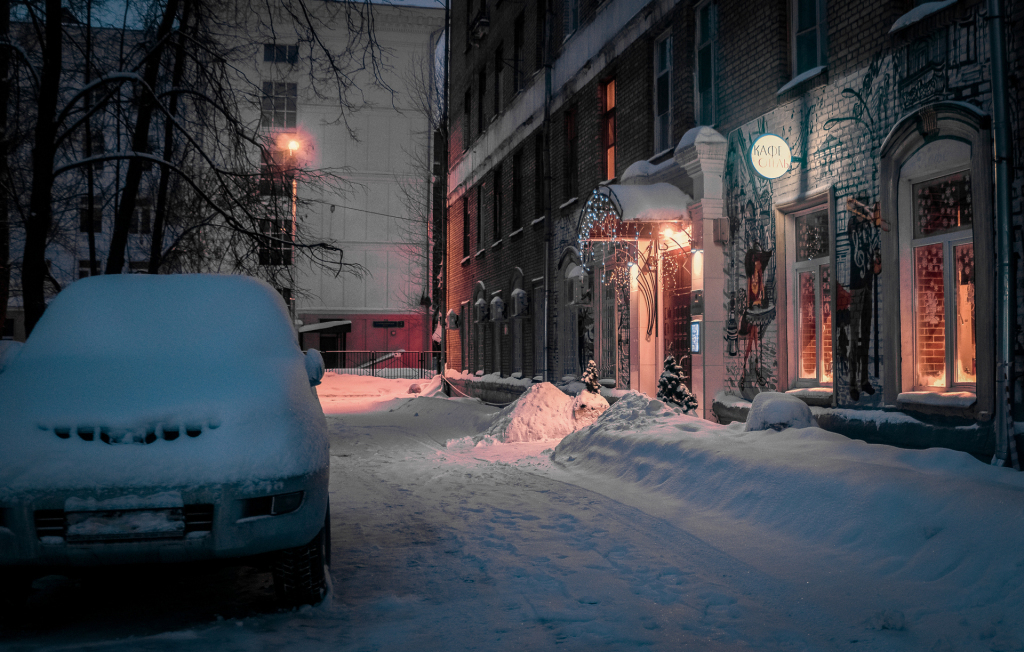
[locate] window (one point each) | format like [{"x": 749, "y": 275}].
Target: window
[
  {"x": 517, "y": 56},
  {"x": 467, "y": 125},
  {"x": 538, "y": 176},
  {"x": 570, "y": 177},
  {"x": 84, "y": 269},
  {"x": 464, "y": 327},
  {"x": 945, "y": 345},
  {"x": 465, "y": 225},
  {"x": 571, "y": 17},
  {"x": 275, "y": 53},
  {"x": 517, "y": 190},
  {"x": 141, "y": 216},
  {"x": 90, "y": 220},
  {"x": 499, "y": 79},
  {"x": 280, "y": 100},
  {"x": 608, "y": 128},
  {"x": 663, "y": 94},
  {"x": 277, "y": 173},
  {"x": 935, "y": 222},
  {"x": 276, "y": 246},
  {"x": 537, "y": 322},
  {"x": 812, "y": 292},
  {"x": 809, "y": 35},
  {"x": 98, "y": 147},
  {"x": 138, "y": 267},
  {"x": 479, "y": 218},
  {"x": 481, "y": 96},
  {"x": 707, "y": 24},
  {"x": 542, "y": 21},
  {"x": 499, "y": 202}
]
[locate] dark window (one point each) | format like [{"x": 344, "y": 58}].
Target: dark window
[
  {"x": 663, "y": 94},
  {"x": 465, "y": 224},
  {"x": 499, "y": 202},
  {"x": 481, "y": 96},
  {"x": 517, "y": 56},
  {"x": 706, "y": 26},
  {"x": 280, "y": 53},
  {"x": 517, "y": 190},
  {"x": 499, "y": 79},
  {"x": 808, "y": 35},
  {"x": 538, "y": 176},
  {"x": 542, "y": 20},
  {"x": 276, "y": 245},
  {"x": 571, "y": 16},
  {"x": 98, "y": 147},
  {"x": 571, "y": 174},
  {"x": 277, "y": 173},
  {"x": 141, "y": 216},
  {"x": 467, "y": 127},
  {"x": 139, "y": 267},
  {"x": 87, "y": 217},
  {"x": 608, "y": 128},
  {"x": 479, "y": 217},
  {"x": 280, "y": 103},
  {"x": 84, "y": 270}
]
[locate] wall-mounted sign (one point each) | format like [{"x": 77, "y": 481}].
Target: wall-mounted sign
[
  {"x": 770, "y": 156},
  {"x": 389, "y": 324},
  {"x": 695, "y": 337}
]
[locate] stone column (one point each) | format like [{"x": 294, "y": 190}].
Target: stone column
[{"x": 701, "y": 152}]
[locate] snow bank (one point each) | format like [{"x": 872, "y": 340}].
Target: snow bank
[
  {"x": 542, "y": 412},
  {"x": 777, "y": 411},
  {"x": 919, "y": 515}
]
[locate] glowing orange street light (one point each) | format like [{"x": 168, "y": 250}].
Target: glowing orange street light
[{"x": 293, "y": 145}]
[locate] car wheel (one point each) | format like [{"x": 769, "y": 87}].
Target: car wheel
[
  {"x": 15, "y": 589},
  {"x": 300, "y": 574}
]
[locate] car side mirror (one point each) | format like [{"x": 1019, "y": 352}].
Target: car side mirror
[{"x": 314, "y": 367}]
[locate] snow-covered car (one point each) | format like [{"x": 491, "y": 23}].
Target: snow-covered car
[{"x": 164, "y": 419}]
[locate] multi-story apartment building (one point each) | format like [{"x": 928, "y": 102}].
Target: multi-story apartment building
[{"x": 785, "y": 196}]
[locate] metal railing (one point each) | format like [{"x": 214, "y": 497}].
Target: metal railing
[{"x": 382, "y": 364}]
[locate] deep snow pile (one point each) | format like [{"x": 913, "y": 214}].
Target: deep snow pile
[
  {"x": 777, "y": 411},
  {"x": 346, "y": 393},
  {"x": 920, "y": 516},
  {"x": 542, "y": 413}
]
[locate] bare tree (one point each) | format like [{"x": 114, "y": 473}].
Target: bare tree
[{"x": 222, "y": 186}]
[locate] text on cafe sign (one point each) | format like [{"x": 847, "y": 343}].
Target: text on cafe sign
[{"x": 770, "y": 156}]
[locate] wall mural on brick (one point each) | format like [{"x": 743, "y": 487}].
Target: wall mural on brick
[{"x": 751, "y": 331}]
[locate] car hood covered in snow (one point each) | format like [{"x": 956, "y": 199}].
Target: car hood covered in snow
[{"x": 135, "y": 380}]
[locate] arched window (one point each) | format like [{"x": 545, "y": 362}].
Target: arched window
[
  {"x": 479, "y": 311},
  {"x": 518, "y": 310},
  {"x": 936, "y": 215}
]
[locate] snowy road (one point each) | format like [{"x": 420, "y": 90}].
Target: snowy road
[{"x": 441, "y": 545}]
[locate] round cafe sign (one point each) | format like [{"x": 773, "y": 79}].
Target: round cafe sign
[{"x": 770, "y": 156}]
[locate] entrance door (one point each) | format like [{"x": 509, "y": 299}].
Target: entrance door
[{"x": 676, "y": 315}]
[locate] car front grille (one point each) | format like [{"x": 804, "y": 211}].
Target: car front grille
[
  {"x": 198, "y": 518},
  {"x": 50, "y": 523},
  {"x": 139, "y": 436}
]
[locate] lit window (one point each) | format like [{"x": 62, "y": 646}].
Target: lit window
[
  {"x": 813, "y": 289},
  {"x": 706, "y": 26},
  {"x": 809, "y": 35},
  {"x": 280, "y": 102},
  {"x": 663, "y": 94},
  {"x": 608, "y": 128},
  {"x": 943, "y": 268}
]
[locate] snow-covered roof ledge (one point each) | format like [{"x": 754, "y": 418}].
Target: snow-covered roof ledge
[
  {"x": 938, "y": 399},
  {"x": 801, "y": 78},
  {"x": 919, "y": 13}
]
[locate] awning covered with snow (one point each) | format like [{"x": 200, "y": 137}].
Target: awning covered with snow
[
  {"x": 657, "y": 202},
  {"x": 324, "y": 325}
]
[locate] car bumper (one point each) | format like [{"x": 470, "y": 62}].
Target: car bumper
[{"x": 218, "y": 524}]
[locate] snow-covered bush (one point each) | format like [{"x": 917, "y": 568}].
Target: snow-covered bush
[
  {"x": 587, "y": 407},
  {"x": 671, "y": 388},
  {"x": 777, "y": 411},
  {"x": 589, "y": 378}
]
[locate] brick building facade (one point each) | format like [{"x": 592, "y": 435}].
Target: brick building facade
[{"x": 815, "y": 282}]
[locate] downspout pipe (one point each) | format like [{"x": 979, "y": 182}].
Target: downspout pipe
[
  {"x": 1005, "y": 281},
  {"x": 548, "y": 206},
  {"x": 443, "y": 299}
]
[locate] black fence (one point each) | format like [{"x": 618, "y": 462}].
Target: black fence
[{"x": 383, "y": 364}]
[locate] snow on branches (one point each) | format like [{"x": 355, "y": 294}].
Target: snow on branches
[{"x": 671, "y": 388}]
